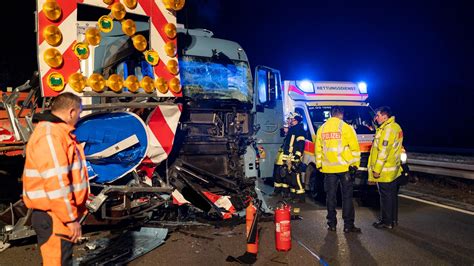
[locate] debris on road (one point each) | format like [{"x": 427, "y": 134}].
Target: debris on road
[{"x": 124, "y": 248}]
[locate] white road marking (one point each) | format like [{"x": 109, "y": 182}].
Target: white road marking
[{"x": 437, "y": 204}]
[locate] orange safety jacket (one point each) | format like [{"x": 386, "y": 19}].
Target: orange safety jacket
[{"x": 55, "y": 176}]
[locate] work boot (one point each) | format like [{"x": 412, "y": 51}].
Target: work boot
[
  {"x": 381, "y": 225},
  {"x": 352, "y": 229}
]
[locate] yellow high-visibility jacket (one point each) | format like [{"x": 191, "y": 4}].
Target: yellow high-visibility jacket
[
  {"x": 55, "y": 176},
  {"x": 385, "y": 152},
  {"x": 337, "y": 147}
]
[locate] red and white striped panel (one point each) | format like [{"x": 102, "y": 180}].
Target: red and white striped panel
[
  {"x": 155, "y": 9},
  {"x": 161, "y": 126}
]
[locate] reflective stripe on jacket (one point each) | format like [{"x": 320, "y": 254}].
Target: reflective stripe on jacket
[
  {"x": 55, "y": 176},
  {"x": 336, "y": 147},
  {"x": 385, "y": 152},
  {"x": 293, "y": 146},
  {"x": 279, "y": 157}
]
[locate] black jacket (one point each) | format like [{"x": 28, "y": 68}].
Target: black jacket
[{"x": 294, "y": 143}]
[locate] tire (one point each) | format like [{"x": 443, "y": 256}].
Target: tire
[{"x": 316, "y": 184}]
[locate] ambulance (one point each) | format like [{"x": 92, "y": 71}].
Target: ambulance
[{"x": 313, "y": 100}]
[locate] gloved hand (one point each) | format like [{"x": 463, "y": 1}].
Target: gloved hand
[
  {"x": 405, "y": 170},
  {"x": 288, "y": 164},
  {"x": 295, "y": 166}
]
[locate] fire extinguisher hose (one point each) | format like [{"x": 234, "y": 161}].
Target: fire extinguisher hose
[{"x": 321, "y": 260}]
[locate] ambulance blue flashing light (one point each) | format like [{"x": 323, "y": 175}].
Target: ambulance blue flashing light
[
  {"x": 305, "y": 85},
  {"x": 362, "y": 87}
]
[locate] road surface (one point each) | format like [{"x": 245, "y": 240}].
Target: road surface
[{"x": 426, "y": 235}]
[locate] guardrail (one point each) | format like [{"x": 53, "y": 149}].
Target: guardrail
[{"x": 436, "y": 166}]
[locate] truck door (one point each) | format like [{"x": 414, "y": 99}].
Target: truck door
[{"x": 268, "y": 118}]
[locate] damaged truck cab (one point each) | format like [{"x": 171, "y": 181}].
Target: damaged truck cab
[
  {"x": 215, "y": 134},
  {"x": 190, "y": 96},
  {"x": 218, "y": 94}
]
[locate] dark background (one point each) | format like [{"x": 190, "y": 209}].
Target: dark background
[{"x": 416, "y": 56}]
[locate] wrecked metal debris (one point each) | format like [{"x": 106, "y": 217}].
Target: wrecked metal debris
[{"x": 124, "y": 248}]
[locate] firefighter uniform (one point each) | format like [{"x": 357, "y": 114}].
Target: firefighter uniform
[
  {"x": 337, "y": 149},
  {"x": 293, "y": 149},
  {"x": 280, "y": 184},
  {"x": 385, "y": 160},
  {"x": 55, "y": 186}
]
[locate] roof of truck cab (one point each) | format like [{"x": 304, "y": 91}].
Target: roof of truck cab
[{"x": 201, "y": 43}]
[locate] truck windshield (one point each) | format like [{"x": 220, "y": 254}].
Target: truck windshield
[
  {"x": 210, "y": 78},
  {"x": 359, "y": 117}
]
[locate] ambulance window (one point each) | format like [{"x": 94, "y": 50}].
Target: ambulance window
[
  {"x": 360, "y": 118},
  {"x": 305, "y": 123},
  {"x": 319, "y": 115}
]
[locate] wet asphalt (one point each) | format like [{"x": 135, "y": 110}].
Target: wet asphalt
[{"x": 426, "y": 235}]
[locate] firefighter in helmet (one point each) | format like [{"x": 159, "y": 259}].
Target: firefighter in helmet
[
  {"x": 281, "y": 186},
  {"x": 293, "y": 148}
]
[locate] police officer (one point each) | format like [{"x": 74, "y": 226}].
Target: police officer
[
  {"x": 280, "y": 184},
  {"x": 337, "y": 153},
  {"x": 293, "y": 149},
  {"x": 385, "y": 166}
]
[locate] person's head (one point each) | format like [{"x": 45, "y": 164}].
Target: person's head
[
  {"x": 382, "y": 114},
  {"x": 337, "y": 111},
  {"x": 296, "y": 119},
  {"x": 68, "y": 107}
]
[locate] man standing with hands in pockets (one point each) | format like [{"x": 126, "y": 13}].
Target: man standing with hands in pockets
[{"x": 385, "y": 166}]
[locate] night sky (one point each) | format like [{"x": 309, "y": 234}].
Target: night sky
[{"x": 416, "y": 58}]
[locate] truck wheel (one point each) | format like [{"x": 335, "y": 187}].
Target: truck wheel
[{"x": 316, "y": 184}]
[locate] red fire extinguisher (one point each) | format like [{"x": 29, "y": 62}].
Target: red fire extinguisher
[
  {"x": 283, "y": 227},
  {"x": 250, "y": 220}
]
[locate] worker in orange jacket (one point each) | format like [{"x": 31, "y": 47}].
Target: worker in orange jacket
[{"x": 55, "y": 180}]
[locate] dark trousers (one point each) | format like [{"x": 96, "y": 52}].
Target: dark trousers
[
  {"x": 280, "y": 184},
  {"x": 331, "y": 181},
  {"x": 389, "y": 201},
  {"x": 296, "y": 185},
  {"x": 55, "y": 250}
]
